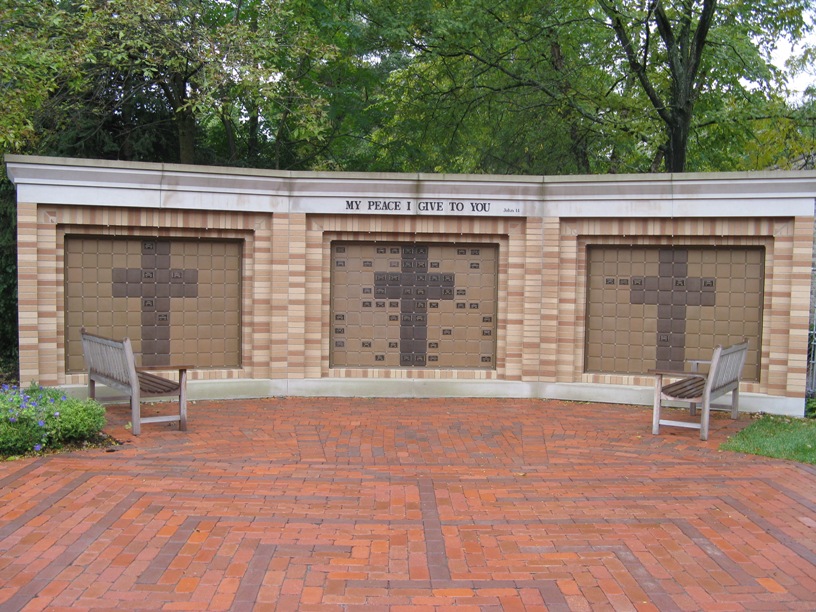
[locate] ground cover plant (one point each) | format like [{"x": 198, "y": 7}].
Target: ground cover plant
[
  {"x": 778, "y": 437},
  {"x": 40, "y": 419}
]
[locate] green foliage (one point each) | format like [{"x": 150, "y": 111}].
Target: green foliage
[
  {"x": 488, "y": 88},
  {"x": 779, "y": 437},
  {"x": 245, "y": 83},
  {"x": 34, "y": 43},
  {"x": 8, "y": 277},
  {"x": 39, "y": 419},
  {"x": 515, "y": 87},
  {"x": 592, "y": 86}
]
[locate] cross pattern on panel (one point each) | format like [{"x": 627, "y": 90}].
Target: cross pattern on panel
[
  {"x": 672, "y": 291},
  {"x": 178, "y": 300},
  {"x": 414, "y": 286},
  {"x": 156, "y": 283},
  {"x": 413, "y": 305}
]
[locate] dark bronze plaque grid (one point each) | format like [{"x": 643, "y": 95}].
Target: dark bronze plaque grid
[
  {"x": 413, "y": 305},
  {"x": 178, "y": 301},
  {"x": 656, "y": 308}
]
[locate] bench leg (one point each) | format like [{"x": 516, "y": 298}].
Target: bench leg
[
  {"x": 91, "y": 388},
  {"x": 693, "y": 405},
  {"x": 735, "y": 404},
  {"x": 183, "y": 400},
  {"x": 656, "y": 407},
  {"x": 135, "y": 415},
  {"x": 704, "y": 418}
]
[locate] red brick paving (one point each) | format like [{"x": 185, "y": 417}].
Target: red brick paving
[{"x": 383, "y": 504}]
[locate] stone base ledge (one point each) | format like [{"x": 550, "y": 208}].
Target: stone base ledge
[{"x": 408, "y": 388}]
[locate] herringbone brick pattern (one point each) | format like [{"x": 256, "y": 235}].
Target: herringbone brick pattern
[{"x": 339, "y": 504}]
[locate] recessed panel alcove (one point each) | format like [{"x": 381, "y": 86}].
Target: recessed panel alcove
[
  {"x": 657, "y": 308},
  {"x": 177, "y": 300},
  {"x": 413, "y": 305}
]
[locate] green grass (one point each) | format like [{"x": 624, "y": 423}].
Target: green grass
[{"x": 778, "y": 437}]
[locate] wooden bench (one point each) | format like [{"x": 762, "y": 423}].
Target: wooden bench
[
  {"x": 694, "y": 388},
  {"x": 111, "y": 363}
]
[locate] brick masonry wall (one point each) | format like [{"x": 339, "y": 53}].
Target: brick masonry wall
[{"x": 542, "y": 272}]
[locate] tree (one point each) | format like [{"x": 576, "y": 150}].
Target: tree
[
  {"x": 32, "y": 66},
  {"x": 8, "y": 280},
  {"x": 578, "y": 86},
  {"x": 240, "y": 81},
  {"x": 630, "y": 85},
  {"x": 684, "y": 40},
  {"x": 29, "y": 73},
  {"x": 681, "y": 50},
  {"x": 488, "y": 88}
]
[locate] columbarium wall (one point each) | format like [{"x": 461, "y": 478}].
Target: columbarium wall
[{"x": 336, "y": 284}]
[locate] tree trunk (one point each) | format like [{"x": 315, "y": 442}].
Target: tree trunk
[
  {"x": 229, "y": 131},
  {"x": 281, "y": 142},
  {"x": 579, "y": 149},
  {"x": 187, "y": 135},
  {"x": 577, "y": 142},
  {"x": 253, "y": 143},
  {"x": 175, "y": 89},
  {"x": 677, "y": 145}
]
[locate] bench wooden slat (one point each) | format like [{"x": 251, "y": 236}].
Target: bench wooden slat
[
  {"x": 687, "y": 388},
  {"x": 723, "y": 377},
  {"x": 111, "y": 362},
  {"x": 150, "y": 384}
]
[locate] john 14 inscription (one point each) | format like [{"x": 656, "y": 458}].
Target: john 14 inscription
[{"x": 413, "y": 305}]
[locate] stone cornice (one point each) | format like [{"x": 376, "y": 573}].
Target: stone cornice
[{"x": 83, "y": 182}]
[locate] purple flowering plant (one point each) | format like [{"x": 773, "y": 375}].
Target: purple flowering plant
[{"x": 37, "y": 419}]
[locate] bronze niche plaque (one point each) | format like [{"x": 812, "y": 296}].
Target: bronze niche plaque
[
  {"x": 416, "y": 322},
  {"x": 658, "y": 308}
]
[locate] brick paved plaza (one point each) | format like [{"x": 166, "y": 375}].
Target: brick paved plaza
[{"x": 335, "y": 504}]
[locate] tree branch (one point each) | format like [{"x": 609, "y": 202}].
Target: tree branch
[{"x": 616, "y": 22}]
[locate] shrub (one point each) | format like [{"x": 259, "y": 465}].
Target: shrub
[{"x": 41, "y": 418}]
